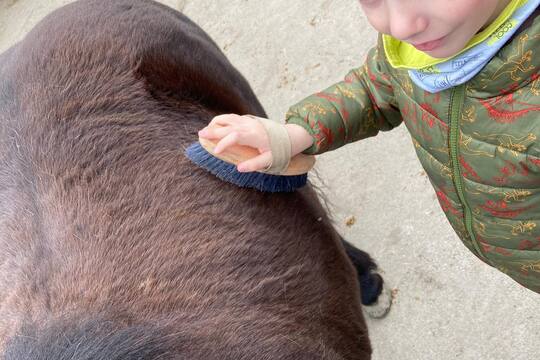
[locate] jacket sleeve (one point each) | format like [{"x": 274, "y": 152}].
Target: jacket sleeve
[{"x": 356, "y": 108}]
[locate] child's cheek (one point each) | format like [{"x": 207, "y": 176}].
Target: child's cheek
[{"x": 458, "y": 9}]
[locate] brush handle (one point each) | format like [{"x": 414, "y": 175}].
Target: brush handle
[{"x": 235, "y": 154}]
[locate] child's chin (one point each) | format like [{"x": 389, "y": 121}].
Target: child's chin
[{"x": 444, "y": 52}]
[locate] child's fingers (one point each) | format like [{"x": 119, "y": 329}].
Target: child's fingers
[
  {"x": 221, "y": 125},
  {"x": 257, "y": 163},
  {"x": 230, "y": 139},
  {"x": 225, "y": 119},
  {"x": 215, "y": 132}
]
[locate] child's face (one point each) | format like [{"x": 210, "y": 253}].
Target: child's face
[{"x": 440, "y": 28}]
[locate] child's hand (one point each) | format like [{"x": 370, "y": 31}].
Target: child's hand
[{"x": 234, "y": 129}]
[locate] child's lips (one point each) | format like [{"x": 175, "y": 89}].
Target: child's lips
[{"x": 429, "y": 45}]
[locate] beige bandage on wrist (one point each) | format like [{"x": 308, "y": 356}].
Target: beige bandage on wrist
[{"x": 280, "y": 145}]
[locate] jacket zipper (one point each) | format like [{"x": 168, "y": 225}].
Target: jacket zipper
[{"x": 457, "y": 98}]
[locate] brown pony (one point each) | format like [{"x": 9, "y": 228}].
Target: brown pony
[{"x": 114, "y": 246}]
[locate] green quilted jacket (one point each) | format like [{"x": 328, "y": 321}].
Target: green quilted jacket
[{"x": 479, "y": 143}]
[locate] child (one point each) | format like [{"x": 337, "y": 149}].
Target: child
[{"x": 463, "y": 77}]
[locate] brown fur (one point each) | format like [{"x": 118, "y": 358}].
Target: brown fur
[{"x": 108, "y": 232}]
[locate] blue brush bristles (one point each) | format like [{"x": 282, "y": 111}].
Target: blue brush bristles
[{"x": 256, "y": 180}]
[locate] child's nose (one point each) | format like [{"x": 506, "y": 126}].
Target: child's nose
[{"x": 406, "y": 23}]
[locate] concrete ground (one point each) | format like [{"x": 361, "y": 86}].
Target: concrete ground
[{"x": 448, "y": 305}]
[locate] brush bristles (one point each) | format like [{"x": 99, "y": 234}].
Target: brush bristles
[{"x": 227, "y": 172}]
